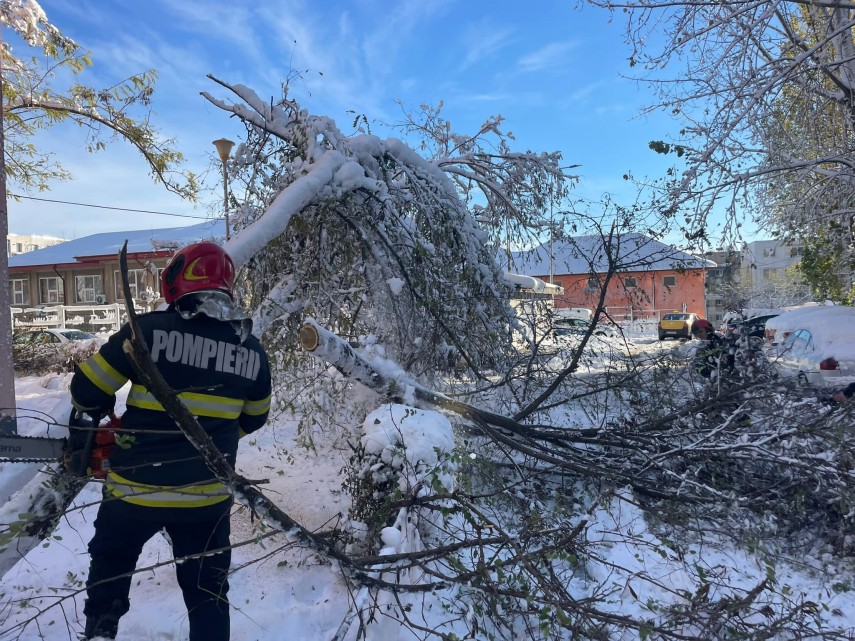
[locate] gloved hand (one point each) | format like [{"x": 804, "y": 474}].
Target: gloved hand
[
  {"x": 81, "y": 436},
  {"x": 108, "y": 407},
  {"x": 79, "y": 423}
]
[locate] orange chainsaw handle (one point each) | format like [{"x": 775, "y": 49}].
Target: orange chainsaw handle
[
  {"x": 105, "y": 440},
  {"x": 99, "y": 444}
]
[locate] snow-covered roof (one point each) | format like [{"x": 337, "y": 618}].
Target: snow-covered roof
[
  {"x": 536, "y": 285},
  {"x": 587, "y": 254},
  {"x": 139, "y": 241}
]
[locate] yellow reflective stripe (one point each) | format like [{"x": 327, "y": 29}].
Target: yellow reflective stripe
[
  {"x": 82, "y": 408},
  {"x": 210, "y": 405},
  {"x": 103, "y": 375},
  {"x": 254, "y": 408},
  {"x": 198, "y": 404},
  {"x": 165, "y": 496}
]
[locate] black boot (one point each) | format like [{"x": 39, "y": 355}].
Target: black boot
[{"x": 105, "y": 624}]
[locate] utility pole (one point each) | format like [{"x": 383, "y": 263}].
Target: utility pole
[{"x": 8, "y": 412}]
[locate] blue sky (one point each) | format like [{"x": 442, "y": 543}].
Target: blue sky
[{"x": 552, "y": 71}]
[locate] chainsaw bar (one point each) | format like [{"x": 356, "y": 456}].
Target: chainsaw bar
[{"x": 31, "y": 449}]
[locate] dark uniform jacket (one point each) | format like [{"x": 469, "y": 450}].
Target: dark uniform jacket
[
  {"x": 713, "y": 358},
  {"x": 224, "y": 383}
]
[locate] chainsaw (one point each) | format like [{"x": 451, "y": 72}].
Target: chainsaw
[
  {"x": 32, "y": 513},
  {"x": 85, "y": 452}
]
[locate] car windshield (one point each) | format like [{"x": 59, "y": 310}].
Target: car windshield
[
  {"x": 77, "y": 335},
  {"x": 675, "y": 317}
]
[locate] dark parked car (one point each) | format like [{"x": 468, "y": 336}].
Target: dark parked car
[{"x": 755, "y": 326}]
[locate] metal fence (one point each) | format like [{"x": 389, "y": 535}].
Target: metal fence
[{"x": 96, "y": 319}]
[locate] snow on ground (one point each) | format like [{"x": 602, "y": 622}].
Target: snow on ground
[
  {"x": 284, "y": 593},
  {"x": 645, "y": 572},
  {"x": 288, "y": 595}
]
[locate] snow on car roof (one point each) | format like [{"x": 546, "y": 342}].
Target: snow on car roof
[
  {"x": 791, "y": 320},
  {"x": 832, "y": 335}
]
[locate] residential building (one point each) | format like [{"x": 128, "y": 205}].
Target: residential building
[
  {"x": 21, "y": 243},
  {"x": 723, "y": 284},
  {"x": 643, "y": 278},
  {"x": 765, "y": 262},
  {"x": 85, "y": 271}
]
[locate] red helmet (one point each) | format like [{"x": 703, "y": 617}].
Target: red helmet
[
  {"x": 702, "y": 324},
  {"x": 198, "y": 267}
]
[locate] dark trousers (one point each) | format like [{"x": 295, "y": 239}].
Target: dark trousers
[{"x": 116, "y": 546}]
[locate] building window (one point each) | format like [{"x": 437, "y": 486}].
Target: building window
[
  {"x": 669, "y": 281},
  {"x": 19, "y": 247},
  {"x": 768, "y": 252},
  {"x": 630, "y": 282},
  {"x": 50, "y": 291},
  {"x": 770, "y": 273},
  {"x": 88, "y": 288},
  {"x": 592, "y": 285},
  {"x": 136, "y": 280},
  {"x": 19, "y": 291},
  {"x": 797, "y": 251}
]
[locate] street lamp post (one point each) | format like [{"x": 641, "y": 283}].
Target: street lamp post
[
  {"x": 562, "y": 217},
  {"x": 224, "y": 149},
  {"x": 551, "y": 252},
  {"x": 551, "y": 226}
]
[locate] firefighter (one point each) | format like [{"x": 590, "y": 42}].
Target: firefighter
[
  {"x": 203, "y": 347},
  {"x": 713, "y": 359}
]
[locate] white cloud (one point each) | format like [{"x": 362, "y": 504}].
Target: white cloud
[
  {"x": 232, "y": 25},
  {"x": 585, "y": 91},
  {"x": 551, "y": 56},
  {"x": 484, "y": 97},
  {"x": 484, "y": 42}
]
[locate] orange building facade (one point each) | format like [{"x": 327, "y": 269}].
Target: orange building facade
[{"x": 635, "y": 295}]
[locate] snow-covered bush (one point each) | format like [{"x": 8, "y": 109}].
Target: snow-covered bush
[
  {"x": 403, "y": 454},
  {"x": 38, "y": 359}
]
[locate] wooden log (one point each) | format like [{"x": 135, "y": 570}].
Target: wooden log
[{"x": 327, "y": 346}]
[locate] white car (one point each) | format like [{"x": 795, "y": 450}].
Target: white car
[
  {"x": 54, "y": 335},
  {"x": 579, "y": 327},
  {"x": 820, "y": 351},
  {"x": 778, "y": 328}
]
